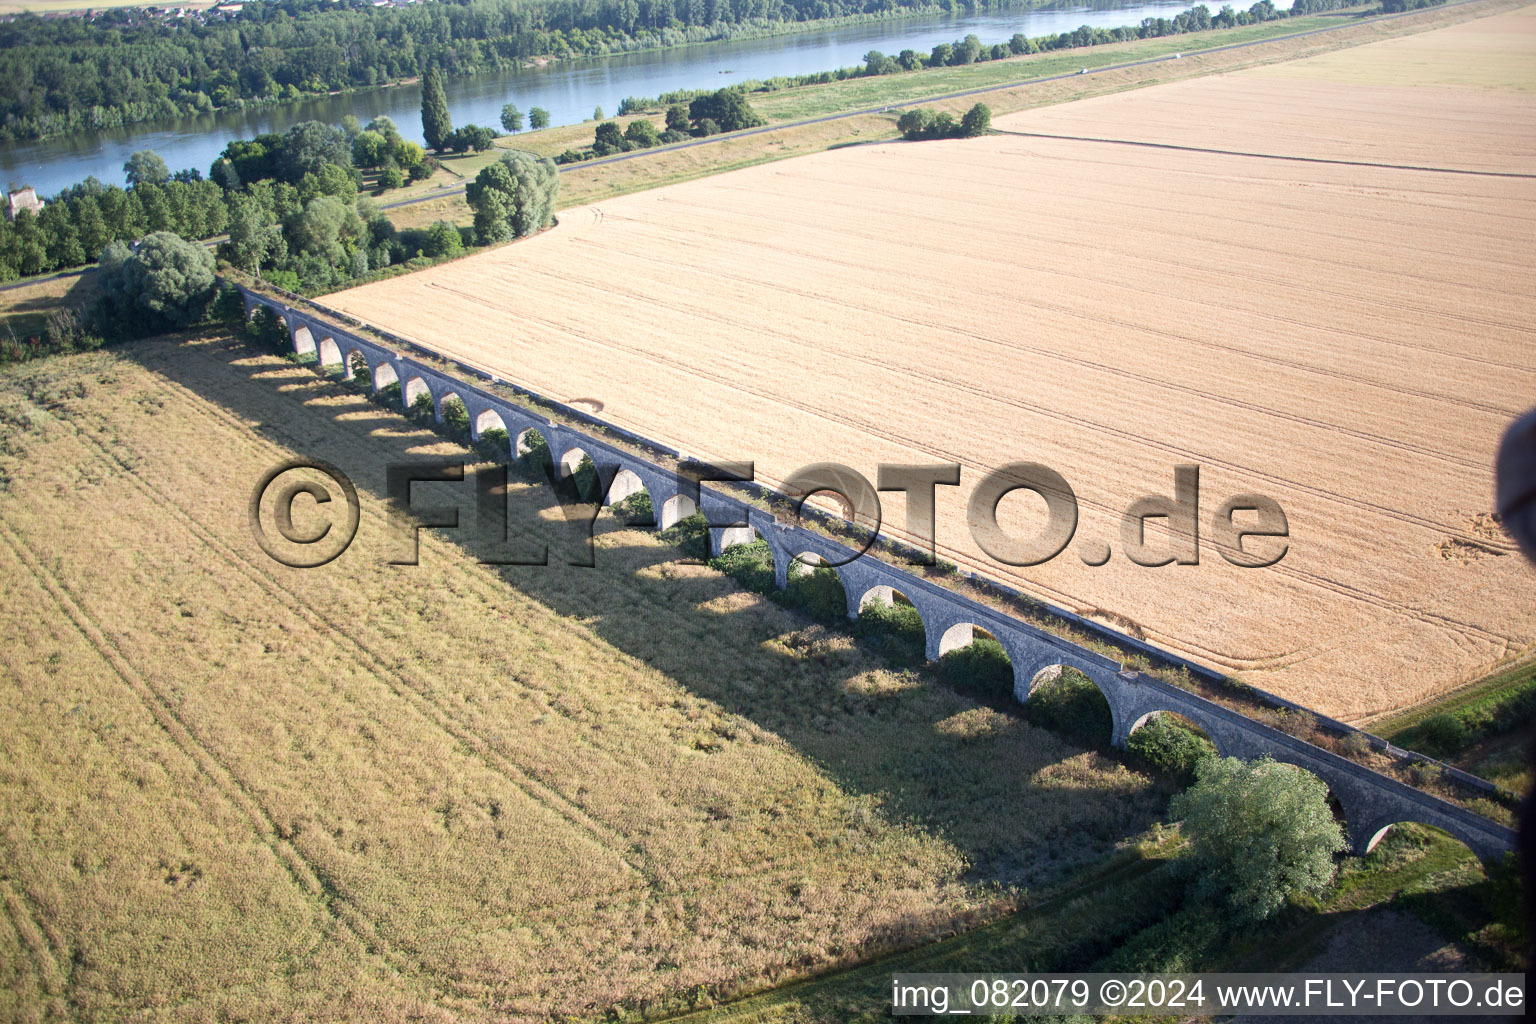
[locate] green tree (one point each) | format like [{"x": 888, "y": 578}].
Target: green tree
[
  {"x": 436, "y": 124},
  {"x": 92, "y": 226},
  {"x": 677, "y": 118},
  {"x": 538, "y": 118},
  {"x": 1260, "y": 831},
  {"x": 914, "y": 124},
  {"x": 310, "y": 145},
  {"x": 977, "y": 121},
  {"x": 167, "y": 277},
  {"x": 255, "y": 236},
  {"x": 597, "y": 113},
  {"x": 642, "y": 133},
  {"x": 511, "y": 118},
  {"x": 513, "y": 197},
  {"x": 370, "y": 149},
  {"x": 146, "y": 166},
  {"x": 443, "y": 240},
  {"x": 385, "y": 126},
  {"x": 608, "y": 138},
  {"x": 728, "y": 108}
]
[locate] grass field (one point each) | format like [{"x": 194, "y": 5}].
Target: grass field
[
  {"x": 1418, "y": 902},
  {"x": 446, "y": 790},
  {"x": 1349, "y": 340}
]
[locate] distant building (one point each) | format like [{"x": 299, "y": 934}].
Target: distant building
[{"x": 22, "y": 199}]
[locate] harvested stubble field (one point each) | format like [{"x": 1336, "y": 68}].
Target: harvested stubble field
[
  {"x": 1347, "y": 337},
  {"x": 233, "y": 790}
]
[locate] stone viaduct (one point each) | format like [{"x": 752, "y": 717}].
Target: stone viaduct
[{"x": 1370, "y": 801}]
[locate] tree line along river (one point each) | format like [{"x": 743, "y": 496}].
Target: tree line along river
[{"x": 569, "y": 90}]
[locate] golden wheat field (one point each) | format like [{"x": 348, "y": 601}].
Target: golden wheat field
[
  {"x": 1338, "y": 332},
  {"x": 235, "y": 790}
]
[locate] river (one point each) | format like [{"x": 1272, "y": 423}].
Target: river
[{"x": 569, "y": 89}]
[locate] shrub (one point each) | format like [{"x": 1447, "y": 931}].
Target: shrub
[
  {"x": 455, "y": 418},
  {"x": 750, "y": 565},
  {"x": 980, "y": 668},
  {"x": 897, "y": 629},
  {"x": 1443, "y": 735},
  {"x": 584, "y": 479},
  {"x": 635, "y": 510},
  {"x": 421, "y": 409},
  {"x": 494, "y": 445},
  {"x": 817, "y": 591},
  {"x": 267, "y": 329},
  {"x": 1071, "y": 704},
  {"x": 1260, "y": 833},
  {"x": 534, "y": 461},
  {"x": 1170, "y": 746},
  {"x": 227, "y": 308},
  {"x": 691, "y": 535}
]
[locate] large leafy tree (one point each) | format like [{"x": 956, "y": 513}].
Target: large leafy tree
[
  {"x": 1261, "y": 831},
  {"x": 146, "y": 166},
  {"x": 728, "y": 108},
  {"x": 167, "y": 277},
  {"x": 511, "y": 118},
  {"x": 436, "y": 124},
  {"x": 310, "y": 145},
  {"x": 514, "y": 197},
  {"x": 255, "y": 236}
]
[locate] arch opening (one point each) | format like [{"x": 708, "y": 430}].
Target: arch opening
[
  {"x": 675, "y": 509},
  {"x": 1169, "y": 744},
  {"x": 975, "y": 662},
  {"x": 355, "y": 366},
  {"x": 532, "y": 455},
  {"x": 1404, "y": 839},
  {"x": 454, "y": 416},
  {"x": 888, "y": 620},
  {"x": 417, "y": 397},
  {"x": 488, "y": 420},
  {"x": 384, "y": 379},
  {"x": 303, "y": 341},
  {"x": 629, "y": 500},
  {"x": 1065, "y": 700},
  {"x": 816, "y": 588},
  {"x": 491, "y": 439},
  {"x": 577, "y": 467}
]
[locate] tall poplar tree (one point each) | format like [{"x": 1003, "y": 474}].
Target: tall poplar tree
[{"x": 436, "y": 124}]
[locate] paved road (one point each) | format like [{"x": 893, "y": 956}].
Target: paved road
[{"x": 781, "y": 126}]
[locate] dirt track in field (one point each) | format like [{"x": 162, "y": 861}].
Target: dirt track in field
[{"x": 1349, "y": 338}]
